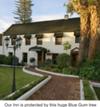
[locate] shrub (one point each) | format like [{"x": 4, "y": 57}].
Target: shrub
[
  {"x": 90, "y": 70},
  {"x": 96, "y": 61},
  {"x": 63, "y": 60},
  {"x": 48, "y": 62},
  {"x": 66, "y": 70},
  {"x": 87, "y": 72},
  {"x": 2, "y": 59},
  {"x": 56, "y": 70},
  {"x": 8, "y": 60}
]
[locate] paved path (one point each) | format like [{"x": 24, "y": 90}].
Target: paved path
[{"x": 58, "y": 88}]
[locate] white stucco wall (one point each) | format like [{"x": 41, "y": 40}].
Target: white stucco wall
[{"x": 48, "y": 43}]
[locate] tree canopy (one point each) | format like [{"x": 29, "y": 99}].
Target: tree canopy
[{"x": 23, "y": 11}]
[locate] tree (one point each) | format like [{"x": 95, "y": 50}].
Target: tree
[
  {"x": 82, "y": 10},
  {"x": 67, "y": 45},
  {"x": 23, "y": 11},
  {"x": 89, "y": 22}
]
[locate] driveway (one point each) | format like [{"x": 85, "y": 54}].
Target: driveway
[{"x": 58, "y": 88}]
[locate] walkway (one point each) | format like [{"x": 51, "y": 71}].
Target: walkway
[{"x": 58, "y": 88}]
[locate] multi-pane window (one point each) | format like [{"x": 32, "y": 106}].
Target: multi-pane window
[
  {"x": 25, "y": 57},
  {"x": 39, "y": 38},
  {"x": 58, "y": 38},
  {"x": 27, "y": 41}
]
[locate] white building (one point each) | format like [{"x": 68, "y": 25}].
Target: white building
[{"x": 47, "y": 39}]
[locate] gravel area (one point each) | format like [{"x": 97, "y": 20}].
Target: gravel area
[{"x": 58, "y": 88}]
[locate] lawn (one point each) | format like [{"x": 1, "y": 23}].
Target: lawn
[
  {"x": 97, "y": 90},
  {"x": 6, "y": 80},
  {"x": 87, "y": 91}
]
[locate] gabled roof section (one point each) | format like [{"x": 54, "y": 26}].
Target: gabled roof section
[{"x": 62, "y": 25}]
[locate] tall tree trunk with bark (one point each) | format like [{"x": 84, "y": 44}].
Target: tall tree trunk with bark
[
  {"x": 84, "y": 35},
  {"x": 94, "y": 34}
]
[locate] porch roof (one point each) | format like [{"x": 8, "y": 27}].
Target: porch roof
[{"x": 38, "y": 49}]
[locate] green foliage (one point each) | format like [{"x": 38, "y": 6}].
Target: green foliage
[
  {"x": 8, "y": 60},
  {"x": 66, "y": 70},
  {"x": 87, "y": 91},
  {"x": 69, "y": 8},
  {"x": 87, "y": 72},
  {"x": 23, "y": 11},
  {"x": 67, "y": 45},
  {"x": 56, "y": 69},
  {"x": 91, "y": 70},
  {"x": 48, "y": 62},
  {"x": 97, "y": 90},
  {"x": 63, "y": 60}
]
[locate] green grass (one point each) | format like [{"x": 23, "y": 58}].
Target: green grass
[
  {"x": 6, "y": 80},
  {"x": 87, "y": 91},
  {"x": 97, "y": 90}
]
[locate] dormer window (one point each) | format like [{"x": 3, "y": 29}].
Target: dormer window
[
  {"x": 13, "y": 39},
  {"x": 39, "y": 38},
  {"x": 58, "y": 38},
  {"x": 27, "y": 39}
]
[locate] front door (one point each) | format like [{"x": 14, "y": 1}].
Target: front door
[{"x": 41, "y": 57}]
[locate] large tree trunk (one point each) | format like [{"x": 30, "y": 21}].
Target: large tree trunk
[
  {"x": 84, "y": 37},
  {"x": 94, "y": 34},
  {"x": 82, "y": 9}
]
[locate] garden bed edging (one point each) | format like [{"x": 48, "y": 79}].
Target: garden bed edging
[{"x": 57, "y": 74}]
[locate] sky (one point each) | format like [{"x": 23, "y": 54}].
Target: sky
[{"x": 42, "y": 10}]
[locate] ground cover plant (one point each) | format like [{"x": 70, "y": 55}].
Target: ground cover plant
[
  {"x": 97, "y": 90},
  {"x": 6, "y": 80},
  {"x": 87, "y": 91}
]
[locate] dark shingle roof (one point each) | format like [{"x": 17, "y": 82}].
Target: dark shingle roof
[{"x": 62, "y": 25}]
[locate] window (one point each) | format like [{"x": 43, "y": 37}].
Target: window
[
  {"x": 77, "y": 39},
  {"x": 12, "y": 41},
  {"x": 0, "y": 39},
  {"x": 39, "y": 40},
  {"x": 24, "y": 57},
  {"x": 58, "y": 40},
  {"x": 27, "y": 41}
]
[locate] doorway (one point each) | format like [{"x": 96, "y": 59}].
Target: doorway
[{"x": 41, "y": 57}]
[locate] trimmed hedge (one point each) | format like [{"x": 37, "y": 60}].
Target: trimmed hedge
[{"x": 8, "y": 60}]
